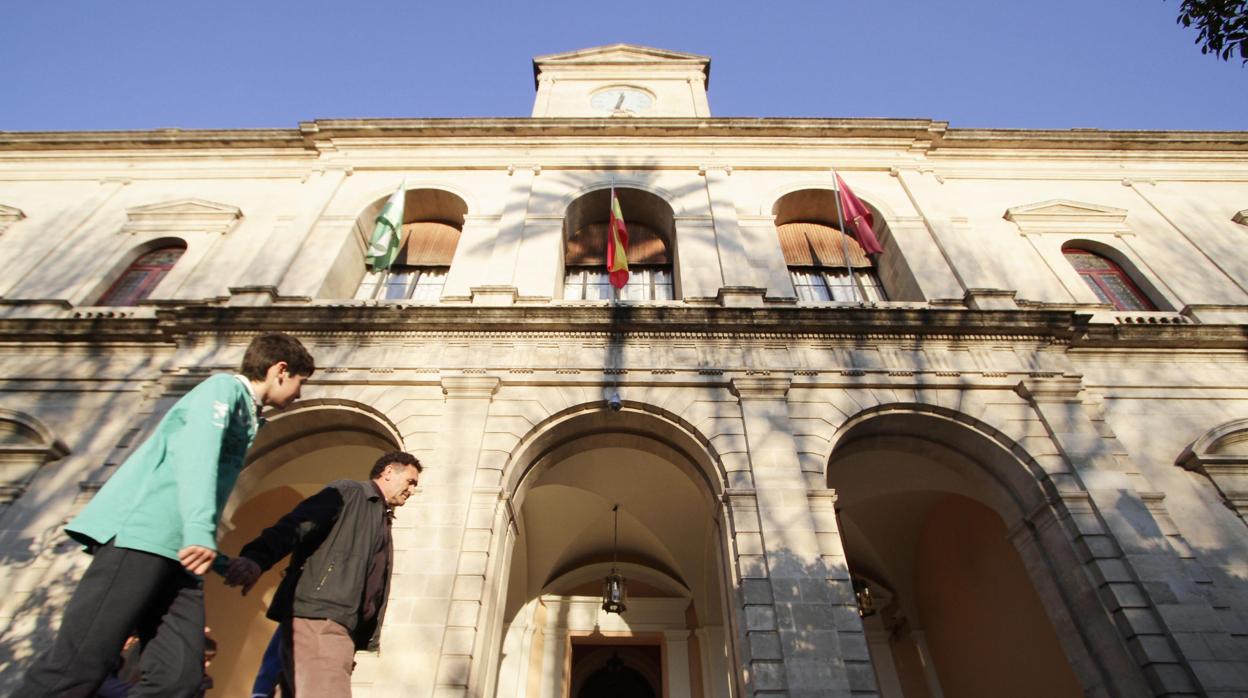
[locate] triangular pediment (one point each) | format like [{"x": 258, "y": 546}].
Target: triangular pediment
[
  {"x": 1065, "y": 209},
  {"x": 616, "y": 56},
  {"x": 183, "y": 215},
  {"x": 619, "y": 53},
  {"x": 183, "y": 207},
  {"x": 9, "y": 214}
]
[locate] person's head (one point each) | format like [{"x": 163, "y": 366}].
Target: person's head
[
  {"x": 396, "y": 474},
  {"x": 280, "y": 362}
]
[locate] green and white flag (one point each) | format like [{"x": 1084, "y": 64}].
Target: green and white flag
[{"x": 383, "y": 247}]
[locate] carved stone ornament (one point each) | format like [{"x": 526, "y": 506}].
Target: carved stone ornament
[
  {"x": 1222, "y": 456},
  {"x": 1066, "y": 217},
  {"x": 182, "y": 216}
]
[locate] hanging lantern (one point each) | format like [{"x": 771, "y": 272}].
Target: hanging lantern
[
  {"x": 615, "y": 586},
  {"x": 615, "y": 593}
]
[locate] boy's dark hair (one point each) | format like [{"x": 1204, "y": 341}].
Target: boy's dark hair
[
  {"x": 272, "y": 347},
  {"x": 394, "y": 457}
]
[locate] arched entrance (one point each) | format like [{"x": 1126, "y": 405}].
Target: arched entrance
[
  {"x": 932, "y": 516},
  {"x": 673, "y": 637},
  {"x": 296, "y": 454}
]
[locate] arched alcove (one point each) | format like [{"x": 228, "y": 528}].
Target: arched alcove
[
  {"x": 433, "y": 220},
  {"x": 564, "y": 480},
  {"x": 815, "y": 249},
  {"x": 651, "y": 246},
  {"x": 295, "y": 455},
  {"x": 950, "y": 530}
]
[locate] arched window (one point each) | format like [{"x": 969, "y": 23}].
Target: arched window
[
  {"x": 1107, "y": 280},
  {"x": 433, "y": 220},
  {"x": 141, "y": 277},
  {"x": 650, "y": 225},
  {"x": 815, "y": 251}
]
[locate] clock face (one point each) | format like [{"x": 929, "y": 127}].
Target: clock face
[{"x": 621, "y": 99}]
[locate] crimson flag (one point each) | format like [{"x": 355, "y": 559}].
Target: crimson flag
[{"x": 859, "y": 218}]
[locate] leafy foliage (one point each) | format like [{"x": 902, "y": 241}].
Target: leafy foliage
[{"x": 1223, "y": 26}]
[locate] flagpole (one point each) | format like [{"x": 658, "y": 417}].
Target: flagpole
[
  {"x": 615, "y": 292},
  {"x": 840, "y": 221}
]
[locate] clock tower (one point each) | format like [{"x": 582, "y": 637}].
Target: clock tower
[{"x": 621, "y": 81}]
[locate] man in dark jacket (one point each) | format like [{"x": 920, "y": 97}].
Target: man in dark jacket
[{"x": 333, "y": 598}]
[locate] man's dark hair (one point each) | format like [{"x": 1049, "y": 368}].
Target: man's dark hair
[
  {"x": 394, "y": 457},
  {"x": 272, "y": 347}
]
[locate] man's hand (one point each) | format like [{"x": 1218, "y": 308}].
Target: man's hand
[
  {"x": 196, "y": 558},
  {"x": 242, "y": 572}
]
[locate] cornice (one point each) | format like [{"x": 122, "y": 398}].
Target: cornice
[
  {"x": 850, "y": 327},
  {"x": 924, "y": 134}
]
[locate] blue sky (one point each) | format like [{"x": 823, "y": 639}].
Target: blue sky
[{"x": 1114, "y": 64}]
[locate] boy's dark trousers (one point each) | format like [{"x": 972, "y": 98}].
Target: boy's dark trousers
[{"x": 125, "y": 591}]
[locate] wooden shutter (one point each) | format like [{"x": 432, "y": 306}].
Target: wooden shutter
[
  {"x": 818, "y": 245},
  {"x": 427, "y": 244},
  {"x": 587, "y": 247}
]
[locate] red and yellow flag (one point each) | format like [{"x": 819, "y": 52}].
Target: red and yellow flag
[{"x": 617, "y": 245}]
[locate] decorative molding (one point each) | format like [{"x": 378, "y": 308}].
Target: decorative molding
[
  {"x": 182, "y": 216},
  {"x": 741, "y": 296},
  {"x": 1058, "y": 389},
  {"x": 494, "y": 295},
  {"x": 470, "y": 386},
  {"x": 1241, "y": 217},
  {"x": 1221, "y": 455},
  {"x": 1067, "y": 217},
  {"x": 990, "y": 299},
  {"x": 760, "y": 387}
]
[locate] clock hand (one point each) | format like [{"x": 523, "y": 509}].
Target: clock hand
[{"x": 619, "y": 102}]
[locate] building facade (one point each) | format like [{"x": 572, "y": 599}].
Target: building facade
[{"x": 1007, "y": 456}]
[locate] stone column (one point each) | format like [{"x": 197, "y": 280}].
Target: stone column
[
  {"x": 803, "y": 630},
  {"x": 1161, "y": 608}
]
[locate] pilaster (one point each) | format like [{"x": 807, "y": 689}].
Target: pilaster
[
  {"x": 427, "y": 642},
  {"x": 796, "y": 595},
  {"x": 740, "y": 273}
]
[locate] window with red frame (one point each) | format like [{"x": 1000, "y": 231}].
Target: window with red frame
[
  {"x": 1107, "y": 280},
  {"x": 141, "y": 277}
]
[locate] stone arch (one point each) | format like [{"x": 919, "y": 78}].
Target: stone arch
[
  {"x": 662, "y": 426},
  {"x": 552, "y": 558},
  {"x": 298, "y": 452},
  {"x": 878, "y": 204},
  {"x": 981, "y": 464},
  {"x": 370, "y": 200},
  {"x": 1221, "y": 455},
  {"x": 1021, "y": 483},
  {"x": 560, "y": 206}
]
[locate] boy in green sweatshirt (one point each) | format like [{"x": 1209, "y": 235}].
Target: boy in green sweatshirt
[{"x": 152, "y": 532}]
